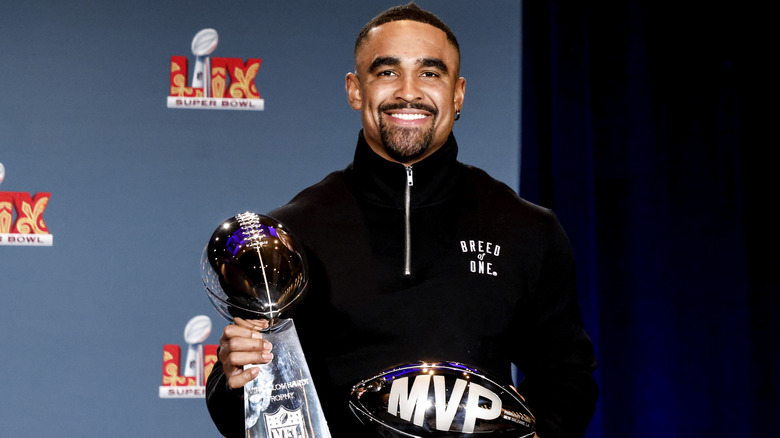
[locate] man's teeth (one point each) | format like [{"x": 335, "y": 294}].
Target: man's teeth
[{"x": 404, "y": 116}]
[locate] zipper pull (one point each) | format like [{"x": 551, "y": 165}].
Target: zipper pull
[{"x": 409, "y": 178}]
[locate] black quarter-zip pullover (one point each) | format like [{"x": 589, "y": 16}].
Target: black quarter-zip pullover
[{"x": 467, "y": 272}]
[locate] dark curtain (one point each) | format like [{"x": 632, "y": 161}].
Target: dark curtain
[{"x": 647, "y": 127}]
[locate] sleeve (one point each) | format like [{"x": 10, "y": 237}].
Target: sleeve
[
  {"x": 558, "y": 370},
  {"x": 225, "y": 405}
]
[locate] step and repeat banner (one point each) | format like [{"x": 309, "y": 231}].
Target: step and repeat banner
[{"x": 118, "y": 160}]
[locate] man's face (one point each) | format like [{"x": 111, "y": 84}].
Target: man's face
[{"x": 407, "y": 89}]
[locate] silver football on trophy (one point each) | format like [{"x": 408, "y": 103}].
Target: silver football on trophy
[
  {"x": 253, "y": 268},
  {"x": 444, "y": 399}
]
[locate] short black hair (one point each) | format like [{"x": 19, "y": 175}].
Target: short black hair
[{"x": 409, "y": 11}]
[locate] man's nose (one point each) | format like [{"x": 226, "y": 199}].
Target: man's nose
[{"x": 409, "y": 89}]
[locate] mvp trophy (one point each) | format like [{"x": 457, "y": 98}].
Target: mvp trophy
[{"x": 254, "y": 268}]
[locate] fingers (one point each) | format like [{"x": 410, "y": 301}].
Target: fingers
[
  {"x": 238, "y": 359},
  {"x": 245, "y": 328},
  {"x": 233, "y": 331},
  {"x": 255, "y": 324},
  {"x": 243, "y": 377},
  {"x": 243, "y": 347},
  {"x": 242, "y": 344}
]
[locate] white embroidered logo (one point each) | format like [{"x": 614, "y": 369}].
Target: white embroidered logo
[{"x": 481, "y": 249}]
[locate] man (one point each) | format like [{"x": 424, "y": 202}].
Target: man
[{"x": 415, "y": 256}]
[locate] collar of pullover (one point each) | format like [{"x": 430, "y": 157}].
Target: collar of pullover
[{"x": 383, "y": 182}]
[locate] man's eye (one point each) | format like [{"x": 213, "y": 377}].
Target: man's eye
[
  {"x": 430, "y": 74},
  {"x": 386, "y": 73}
]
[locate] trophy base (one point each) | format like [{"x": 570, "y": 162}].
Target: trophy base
[{"x": 282, "y": 401}]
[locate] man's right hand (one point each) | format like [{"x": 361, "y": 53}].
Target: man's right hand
[{"x": 242, "y": 344}]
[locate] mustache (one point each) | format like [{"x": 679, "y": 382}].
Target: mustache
[{"x": 411, "y": 105}]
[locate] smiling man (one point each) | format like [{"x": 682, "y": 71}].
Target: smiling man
[
  {"x": 407, "y": 88},
  {"x": 416, "y": 256}
]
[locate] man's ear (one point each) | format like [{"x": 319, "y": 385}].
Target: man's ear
[
  {"x": 460, "y": 93},
  {"x": 353, "y": 91}
]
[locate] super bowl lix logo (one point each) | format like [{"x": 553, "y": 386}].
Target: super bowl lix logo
[
  {"x": 217, "y": 83},
  {"x": 191, "y": 383},
  {"x": 26, "y": 227}
]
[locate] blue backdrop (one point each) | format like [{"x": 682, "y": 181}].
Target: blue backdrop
[{"x": 137, "y": 188}]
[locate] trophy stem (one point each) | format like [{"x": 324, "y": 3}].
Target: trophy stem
[{"x": 281, "y": 400}]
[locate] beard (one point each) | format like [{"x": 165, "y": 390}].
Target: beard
[{"x": 406, "y": 144}]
